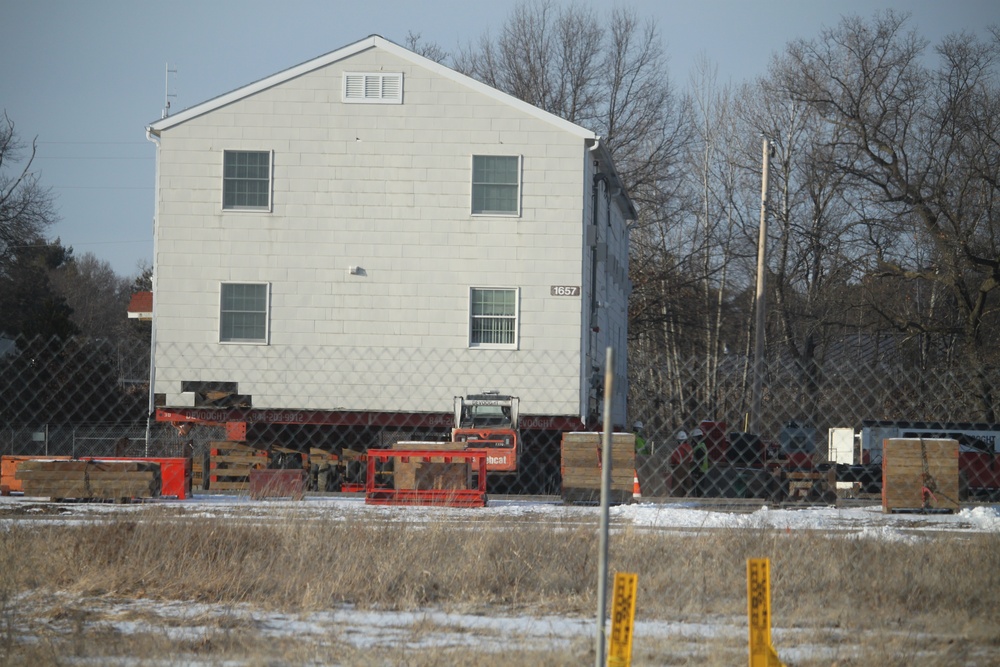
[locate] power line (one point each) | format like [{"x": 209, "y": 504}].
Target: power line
[
  {"x": 100, "y": 187},
  {"x": 94, "y": 143},
  {"x": 74, "y": 245},
  {"x": 85, "y": 243},
  {"x": 68, "y": 157}
]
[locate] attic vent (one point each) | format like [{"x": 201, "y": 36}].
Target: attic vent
[{"x": 373, "y": 87}]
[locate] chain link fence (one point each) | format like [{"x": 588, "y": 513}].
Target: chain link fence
[
  {"x": 817, "y": 436},
  {"x": 103, "y": 440}
]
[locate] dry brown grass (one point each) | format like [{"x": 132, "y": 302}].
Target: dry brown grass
[{"x": 933, "y": 601}]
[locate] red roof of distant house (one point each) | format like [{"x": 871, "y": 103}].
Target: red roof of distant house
[{"x": 141, "y": 306}]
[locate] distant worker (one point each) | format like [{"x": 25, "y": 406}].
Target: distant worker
[
  {"x": 641, "y": 446},
  {"x": 680, "y": 466},
  {"x": 701, "y": 462}
]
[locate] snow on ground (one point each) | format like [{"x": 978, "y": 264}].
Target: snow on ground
[
  {"x": 492, "y": 633},
  {"x": 867, "y": 520},
  {"x": 688, "y": 516}
]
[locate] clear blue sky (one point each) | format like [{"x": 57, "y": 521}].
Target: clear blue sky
[{"x": 85, "y": 77}]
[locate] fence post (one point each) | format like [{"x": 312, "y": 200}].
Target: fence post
[{"x": 602, "y": 563}]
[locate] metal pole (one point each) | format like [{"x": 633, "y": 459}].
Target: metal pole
[
  {"x": 151, "y": 407},
  {"x": 761, "y": 298},
  {"x": 602, "y": 562}
]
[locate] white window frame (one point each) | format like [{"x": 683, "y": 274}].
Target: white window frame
[
  {"x": 270, "y": 181},
  {"x": 267, "y": 315},
  {"x": 516, "y": 317},
  {"x": 372, "y": 88},
  {"x": 516, "y": 213}
]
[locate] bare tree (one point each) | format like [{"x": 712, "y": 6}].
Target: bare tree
[
  {"x": 98, "y": 296},
  {"x": 544, "y": 55},
  {"x": 429, "y": 50},
  {"x": 26, "y": 208},
  {"x": 922, "y": 143}
]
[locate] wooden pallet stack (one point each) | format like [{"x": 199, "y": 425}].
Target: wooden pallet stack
[
  {"x": 230, "y": 464},
  {"x": 90, "y": 480},
  {"x": 430, "y": 475},
  {"x": 581, "y": 467},
  {"x": 919, "y": 475}
]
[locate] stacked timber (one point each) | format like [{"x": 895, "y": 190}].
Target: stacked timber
[
  {"x": 90, "y": 480},
  {"x": 432, "y": 475},
  {"x": 230, "y": 464},
  {"x": 9, "y": 481},
  {"x": 582, "y": 466},
  {"x": 919, "y": 474}
]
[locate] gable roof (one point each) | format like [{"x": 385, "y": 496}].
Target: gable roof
[
  {"x": 373, "y": 41},
  {"x": 600, "y": 151}
]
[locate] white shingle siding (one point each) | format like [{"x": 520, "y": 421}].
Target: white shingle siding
[{"x": 386, "y": 188}]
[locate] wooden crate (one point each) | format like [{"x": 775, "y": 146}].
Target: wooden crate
[
  {"x": 909, "y": 465},
  {"x": 430, "y": 475},
  {"x": 90, "y": 480},
  {"x": 230, "y": 464},
  {"x": 581, "y": 467}
]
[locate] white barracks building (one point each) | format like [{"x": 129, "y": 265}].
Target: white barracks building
[{"x": 371, "y": 231}]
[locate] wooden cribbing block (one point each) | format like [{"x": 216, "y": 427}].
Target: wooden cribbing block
[
  {"x": 919, "y": 474},
  {"x": 581, "y": 466},
  {"x": 90, "y": 480},
  {"x": 230, "y": 464},
  {"x": 432, "y": 474}
]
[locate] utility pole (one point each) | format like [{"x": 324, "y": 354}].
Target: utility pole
[{"x": 760, "y": 304}]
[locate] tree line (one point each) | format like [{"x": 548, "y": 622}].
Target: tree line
[{"x": 68, "y": 351}]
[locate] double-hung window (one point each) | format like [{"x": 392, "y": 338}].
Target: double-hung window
[
  {"x": 496, "y": 184},
  {"x": 246, "y": 180},
  {"x": 243, "y": 316},
  {"x": 493, "y": 317}
]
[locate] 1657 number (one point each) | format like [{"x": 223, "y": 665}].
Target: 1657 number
[{"x": 564, "y": 290}]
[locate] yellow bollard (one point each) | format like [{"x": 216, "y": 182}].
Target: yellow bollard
[
  {"x": 622, "y": 619},
  {"x": 762, "y": 653}
]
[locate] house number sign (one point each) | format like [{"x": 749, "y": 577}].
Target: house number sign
[{"x": 564, "y": 290}]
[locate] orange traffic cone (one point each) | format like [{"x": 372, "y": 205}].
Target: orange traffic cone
[{"x": 636, "y": 493}]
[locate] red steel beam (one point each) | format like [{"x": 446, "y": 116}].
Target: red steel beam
[{"x": 220, "y": 416}]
